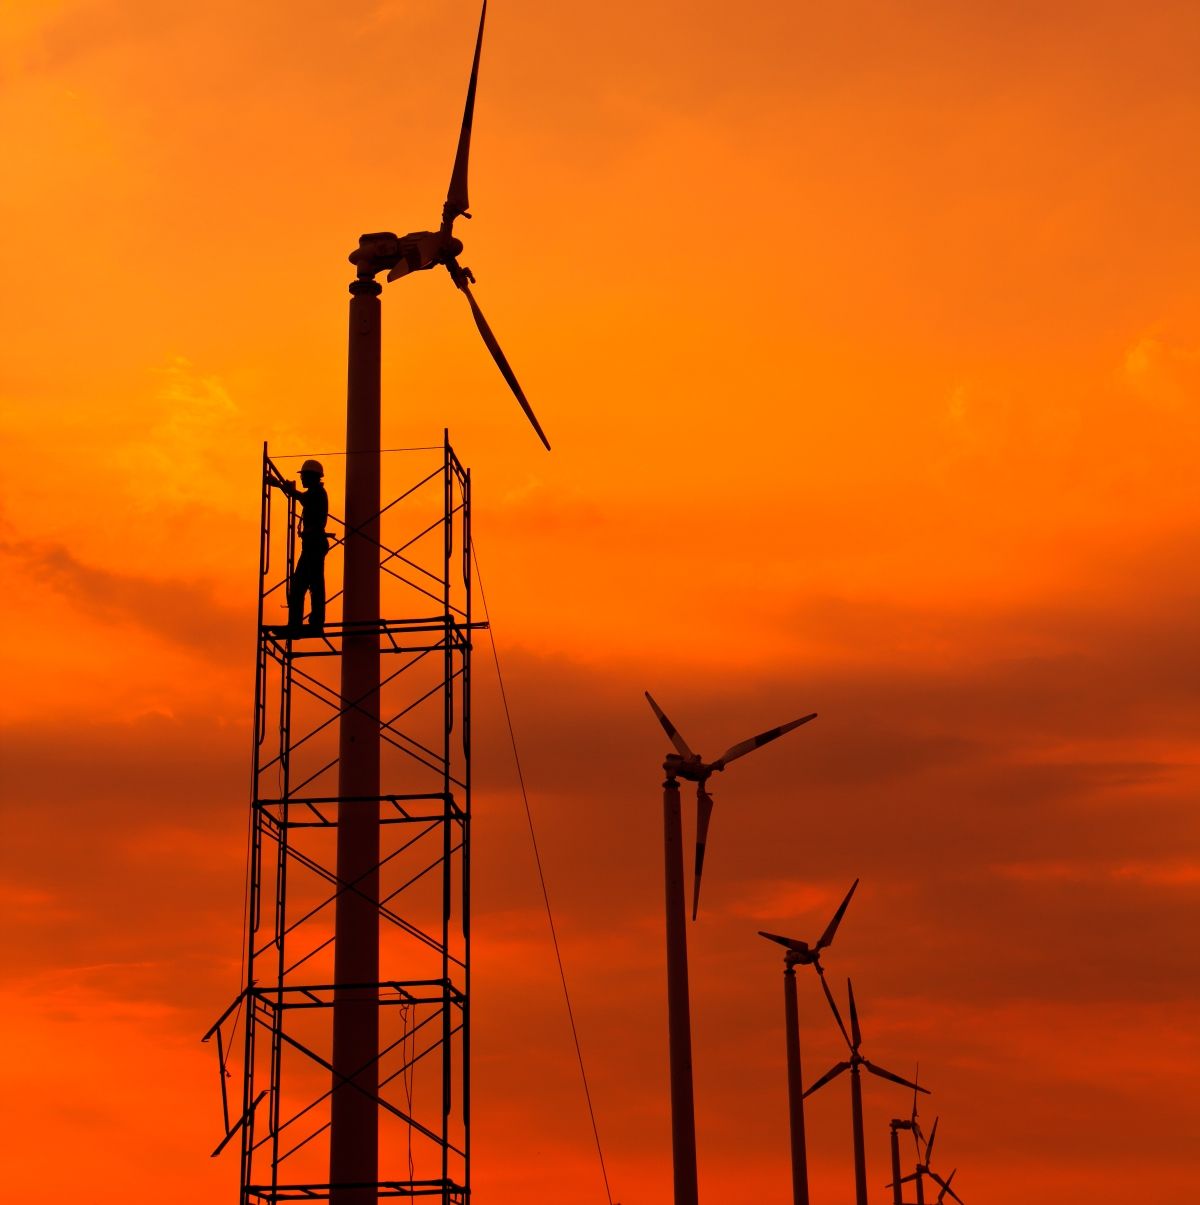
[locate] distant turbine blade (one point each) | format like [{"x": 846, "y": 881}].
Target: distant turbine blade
[
  {"x": 456, "y": 198},
  {"x": 830, "y": 929},
  {"x": 883, "y": 1073},
  {"x": 946, "y": 1187},
  {"x": 832, "y": 1073},
  {"x": 681, "y": 746},
  {"x": 837, "y": 1016},
  {"x": 704, "y": 806},
  {"x": 856, "y": 1033},
  {"x": 755, "y": 742},
  {"x": 498, "y": 355},
  {"x": 929, "y": 1144},
  {"x": 799, "y": 947},
  {"x": 917, "y": 1133}
]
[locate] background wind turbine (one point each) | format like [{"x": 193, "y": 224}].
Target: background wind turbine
[
  {"x": 683, "y": 763},
  {"x": 853, "y": 1065},
  {"x": 924, "y": 1168},
  {"x": 802, "y": 954},
  {"x": 686, "y": 764},
  {"x": 914, "y": 1127}
]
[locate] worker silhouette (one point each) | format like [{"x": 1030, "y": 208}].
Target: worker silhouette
[{"x": 308, "y": 574}]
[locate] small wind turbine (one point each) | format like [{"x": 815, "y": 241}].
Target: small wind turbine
[
  {"x": 683, "y": 763},
  {"x": 354, "y": 1107},
  {"x": 914, "y": 1127},
  {"x": 855, "y": 1062},
  {"x": 923, "y": 1169},
  {"x": 800, "y": 953}
]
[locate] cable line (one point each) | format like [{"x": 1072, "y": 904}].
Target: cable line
[{"x": 562, "y": 974}]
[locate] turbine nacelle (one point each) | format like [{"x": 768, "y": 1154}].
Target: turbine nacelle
[
  {"x": 398, "y": 256},
  {"x": 690, "y": 769}
]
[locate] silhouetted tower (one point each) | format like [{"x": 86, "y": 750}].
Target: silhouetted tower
[
  {"x": 356, "y": 1038},
  {"x": 374, "y": 944}
]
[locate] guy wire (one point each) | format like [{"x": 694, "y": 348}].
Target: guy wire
[{"x": 537, "y": 857}]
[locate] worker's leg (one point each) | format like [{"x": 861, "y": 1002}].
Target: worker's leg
[
  {"x": 301, "y": 582},
  {"x": 316, "y": 584}
]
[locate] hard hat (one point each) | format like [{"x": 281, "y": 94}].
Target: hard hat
[{"x": 312, "y": 466}]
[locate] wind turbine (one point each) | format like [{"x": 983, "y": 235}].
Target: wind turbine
[
  {"x": 853, "y": 1065},
  {"x": 354, "y": 1103},
  {"x": 923, "y": 1169},
  {"x": 911, "y": 1124},
  {"x": 683, "y": 763},
  {"x": 800, "y": 953}
]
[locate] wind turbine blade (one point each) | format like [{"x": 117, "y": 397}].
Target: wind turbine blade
[
  {"x": 830, "y": 929},
  {"x": 837, "y": 1016},
  {"x": 855, "y": 1032},
  {"x": 832, "y": 1073},
  {"x": 917, "y": 1132},
  {"x": 456, "y": 197},
  {"x": 946, "y": 1187},
  {"x": 932, "y": 1139},
  {"x": 681, "y": 746},
  {"x": 792, "y": 944},
  {"x": 704, "y": 806},
  {"x": 501, "y": 362},
  {"x": 906, "y": 1179},
  {"x": 884, "y": 1073},
  {"x": 755, "y": 742}
]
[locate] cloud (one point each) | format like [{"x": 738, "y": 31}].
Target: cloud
[{"x": 184, "y": 612}]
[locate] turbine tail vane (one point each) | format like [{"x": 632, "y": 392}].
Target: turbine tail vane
[
  {"x": 681, "y": 746},
  {"x": 827, "y": 937},
  {"x": 462, "y": 278},
  {"x": 756, "y": 742},
  {"x": 704, "y": 807},
  {"x": 456, "y": 197}
]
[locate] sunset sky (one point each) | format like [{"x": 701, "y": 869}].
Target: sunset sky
[{"x": 867, "y": 336}]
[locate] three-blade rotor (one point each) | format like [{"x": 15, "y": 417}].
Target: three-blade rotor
[
  {"x": 425, "y": 249},
  {"x": 854, "y": 1041},
  {"x": 683, "y": 763}
]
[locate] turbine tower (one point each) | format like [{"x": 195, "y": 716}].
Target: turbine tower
[
  {"x": 353, "y": 1142},
  {"x": 683, "y": 763},
  {"x": 800, "y": 953}
]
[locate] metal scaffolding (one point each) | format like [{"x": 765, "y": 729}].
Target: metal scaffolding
[{"x": 281, "y": 1118}]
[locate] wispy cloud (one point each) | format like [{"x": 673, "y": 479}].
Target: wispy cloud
[{"x": 184, "y": 612}]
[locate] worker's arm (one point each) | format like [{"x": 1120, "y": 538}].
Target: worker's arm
[{"x": 288, "y": 487}]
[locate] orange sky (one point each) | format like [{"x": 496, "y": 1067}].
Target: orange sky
[{"x": 868, "y": 339}]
